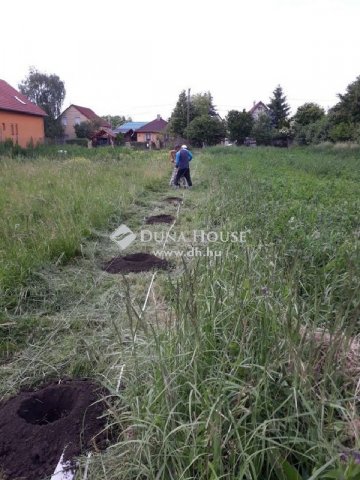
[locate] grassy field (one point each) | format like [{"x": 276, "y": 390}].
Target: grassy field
[
  {"x": 242, "y": 366},
  {"x": 49, "y": 206}
]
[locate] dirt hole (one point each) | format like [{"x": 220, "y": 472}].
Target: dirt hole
[
  {"x": 135, "y": 262},
  {"x": 173, "y": 199},
  {"x": 35, "y": 427},
  {"x": 47, "y": 407},
  {"x": 160, "y": 219}
]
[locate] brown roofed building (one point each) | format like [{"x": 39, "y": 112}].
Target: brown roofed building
[
  {"x": 258, "y": 109},
  {"x": 74, "y": 115},
  {"x": 21, "y": 120},
  {"x": 154, "y": 133}
]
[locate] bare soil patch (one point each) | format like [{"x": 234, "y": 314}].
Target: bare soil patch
[
  {"x": 173, "y": 199},
  {"x": 136, "y": 262},
  {"x": 35, "y": 426},
  {"x": 160, "y": 219}
]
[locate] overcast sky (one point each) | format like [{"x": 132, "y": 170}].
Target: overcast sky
[{"x": 122, "y": 57}]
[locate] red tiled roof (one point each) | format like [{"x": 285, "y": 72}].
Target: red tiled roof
[
  {"x": 14, "y": 101},
  {"x": 156, "y": 126},
  {"x": 91, "y": 115}
]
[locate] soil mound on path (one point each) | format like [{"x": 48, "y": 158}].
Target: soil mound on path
[
  {"x": 136, "y": 262},
  {"x": 160, "y": 219},
  {"x": 173, "y": 199},
  {"x": 36, "y": 426}
]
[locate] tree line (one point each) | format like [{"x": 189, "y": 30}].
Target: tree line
[
  {"x": 310, "y": 124},
  {"x": 195, "y": 118}
]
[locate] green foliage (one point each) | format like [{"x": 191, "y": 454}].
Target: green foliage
[
  {"x": 239, "y": 125},
  {"x": 120, "y": 139},
  {"x": 263, "y": 130},
  {"x": 350, "y": 471},
  {"x": 341, "y": 132},
  {"x": 116, "y": 120},
  {"x": 203, "y": 104},
  {"x": 200, "y": 105},
  {"x": 279, "y": 109},
  {"x": 86, "y": 129},
  {"x": 205, "y": 130},
  {"x": 341, "y": 124},
  {"x": 313, "y": 133},
  {"x": 10, "y": 149},
  {"x": 348, "y": 108},
  {"x": 308, "y": 113},
  {"x": 178, "y": 118},
  {"x": 48, "y": 92}
]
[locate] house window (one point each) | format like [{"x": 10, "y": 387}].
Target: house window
[
  {"x": 77, "y": 120},
  {"x": 64, "y": 121},
  {"x": 16, "y": 129},
  {"x": 148, "y": 137},
  {"x": 3, "y": 126},
  {"x": 12, "y": 129}
]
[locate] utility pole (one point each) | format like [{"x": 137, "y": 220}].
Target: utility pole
[{"x": 188, "y": 112}]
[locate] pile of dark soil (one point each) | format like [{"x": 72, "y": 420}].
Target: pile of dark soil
[
  {"x": 35, "y": 427},
  {"x": 136, "y": 262},
  {"x": 173, "y": 199},
  {"x": 160, "y": 219}
]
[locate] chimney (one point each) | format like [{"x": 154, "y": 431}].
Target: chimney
[
  {"x": 254, "y": 103},
  {"x": 158, "y": 117}
]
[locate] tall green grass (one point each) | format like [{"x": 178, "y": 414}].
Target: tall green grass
[
  {"x": 241, "y": 385},
  {"x": 49, "y": 206},
  {"x": 248, "y": 370}
]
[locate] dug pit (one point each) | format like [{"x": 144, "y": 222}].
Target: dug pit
[
  {"x": 36, "y": 426},
  {"x": 173, "y": 199},
  {"x": 136, "y": 262},
  {"x": 160, "y": 219}
]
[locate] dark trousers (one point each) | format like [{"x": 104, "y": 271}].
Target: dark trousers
[{"x": 183, "y": 172}]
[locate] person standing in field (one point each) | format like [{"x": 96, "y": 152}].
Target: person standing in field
[
  {"x": 182, "y": 160},
  {"x": 172, "y": 160}
]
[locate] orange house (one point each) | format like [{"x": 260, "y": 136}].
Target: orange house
[
  {"x": 153, "y": 132},
  {"x": 20, "y": 120}
]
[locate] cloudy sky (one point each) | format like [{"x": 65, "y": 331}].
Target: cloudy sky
[{"x": 134, "y": 57}]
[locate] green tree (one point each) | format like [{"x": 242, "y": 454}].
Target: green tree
[
  {"x": 87, "y": 129},
  {"x": 348, "y": 108},
  {"x": 203, "y": 104},
  {"x": 178, "y": 118},
  {"x": 342, "y": 132},
  {"x": 315, "y": 132},
  {"x": 279, "y": 109},
  {"x": 239, "y": 125},
  {"x": 120, "y": 139},
  {"x": 205, "y": 130},
  {"x": 116, "y": 120},
  {"x": 263, "y": 130},
  {"x": 48, "y": 92},
  {"x": 308, "y": 113}
]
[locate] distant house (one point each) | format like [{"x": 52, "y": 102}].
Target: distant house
[
  {"x": 129, "y": 130},
  {"x": 153, "y": 133},
  {"x": 74, "y": 115},
  {"x": 102, "y": 137},
  {"x": 20, "y": 120},
  {"x": 258, "y": 109}
]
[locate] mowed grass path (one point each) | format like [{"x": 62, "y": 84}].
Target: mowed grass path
[{"x": 228, "y": 374}]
